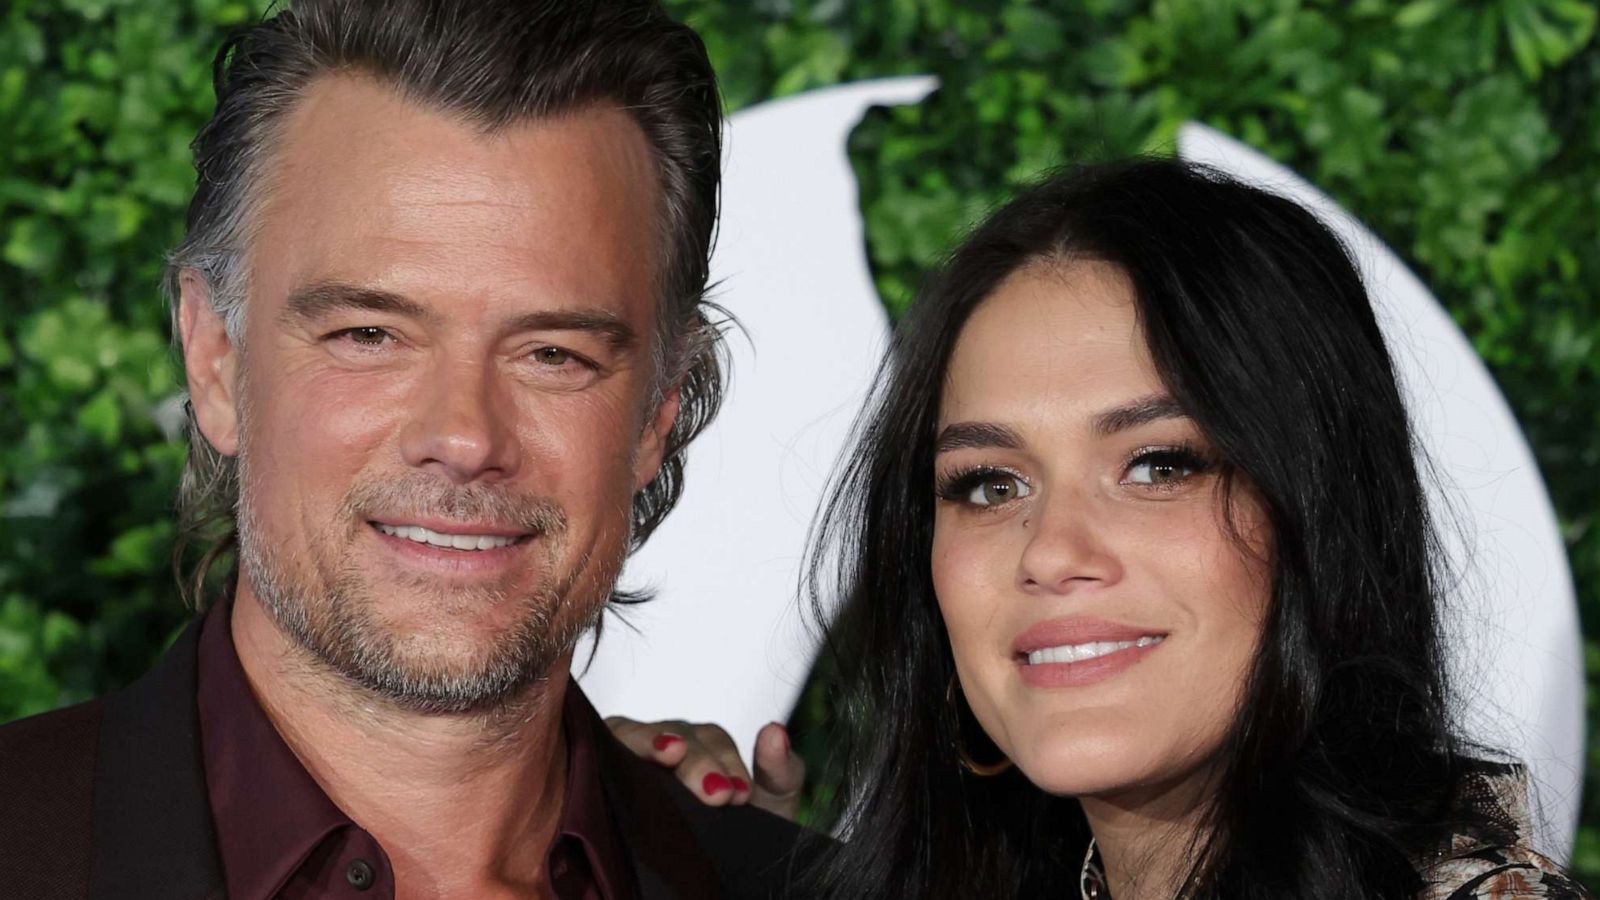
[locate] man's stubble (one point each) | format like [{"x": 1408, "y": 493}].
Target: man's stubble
[{"x": 327, "y": 607}]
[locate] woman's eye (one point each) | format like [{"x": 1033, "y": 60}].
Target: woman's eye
[
  {"x": 1162, "y": 467},
  {"x": 995, "y": 488},
  {"x": 552, "y": 356}
]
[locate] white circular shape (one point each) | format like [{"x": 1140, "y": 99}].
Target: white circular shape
[
  {"x": 1516, "y": 655},
  {"x": 726, "y": 639}
]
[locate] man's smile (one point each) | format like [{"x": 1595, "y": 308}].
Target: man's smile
[
  {"x": 462, "y": 537},
  {"x": 449, "y": 548}
]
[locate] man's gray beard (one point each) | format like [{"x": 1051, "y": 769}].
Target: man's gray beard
[{"x": 332, "y": 618}]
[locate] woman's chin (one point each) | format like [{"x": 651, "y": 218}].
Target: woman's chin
[{"x": 1090, "y": 768}]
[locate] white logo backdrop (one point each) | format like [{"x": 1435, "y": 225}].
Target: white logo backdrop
[{"x": 727, "y": 639}]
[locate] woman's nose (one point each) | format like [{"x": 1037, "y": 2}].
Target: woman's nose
[{"x": 1065, "y": 550}]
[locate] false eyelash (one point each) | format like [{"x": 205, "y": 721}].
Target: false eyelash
[
  {"x": 1184, "y": 453},
  {"x": 958, "y": 485}
]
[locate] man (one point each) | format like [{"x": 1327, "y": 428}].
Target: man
[{"x": 440, "y": 305}]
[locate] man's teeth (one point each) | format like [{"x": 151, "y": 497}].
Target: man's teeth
[
  {"x": 1072, "y": 653},
  {"x": 450, "y": 541}
]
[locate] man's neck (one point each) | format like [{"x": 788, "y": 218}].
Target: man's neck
[{"x": 465, "y": 805}]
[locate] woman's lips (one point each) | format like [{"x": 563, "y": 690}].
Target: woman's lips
[{"x": 1079, "y": 651}]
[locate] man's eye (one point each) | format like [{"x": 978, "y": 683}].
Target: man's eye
[
  {"x": 995, "y": 488},
  {"x": 552, "y": 356},
  {"x": 1164, "y": 467},
  {"x": 366, "y": 336}
]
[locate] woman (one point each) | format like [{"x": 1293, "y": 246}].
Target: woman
[{"x": 1141, "y": 591}]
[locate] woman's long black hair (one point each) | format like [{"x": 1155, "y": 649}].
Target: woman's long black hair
[{"x": 1341, "y": 770}]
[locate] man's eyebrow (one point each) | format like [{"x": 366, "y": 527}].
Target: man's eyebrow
[
  {"x": 316, "y": 300},
  {"x": 977, "y": 435},
  {"x": 1140, "y": 412},
  {"x": 319, "y": 299},
  {"x": 613, "y": 329}
]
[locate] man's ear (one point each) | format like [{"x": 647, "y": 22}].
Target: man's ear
[
  {"x": 211, "y": 362},
  {"x": 653, "y": 442}
]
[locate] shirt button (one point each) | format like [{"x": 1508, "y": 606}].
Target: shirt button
[{"x": 359, "y": 874}]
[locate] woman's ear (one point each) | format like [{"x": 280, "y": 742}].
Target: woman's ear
[{"x": 211, "y": 362}]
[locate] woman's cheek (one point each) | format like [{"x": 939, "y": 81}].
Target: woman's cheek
[{"x": 962, "y": 576}]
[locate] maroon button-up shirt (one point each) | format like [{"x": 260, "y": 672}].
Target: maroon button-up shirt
[{"x": 280, "y": 837}]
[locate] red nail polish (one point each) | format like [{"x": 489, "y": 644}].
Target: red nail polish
[
  {"x": 739, "y": 784},
  {"x": 714, "y": 783},
  {"x": 663, "y": 741}
]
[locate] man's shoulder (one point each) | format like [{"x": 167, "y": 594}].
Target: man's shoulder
[
  {"x": 679, "y": 846},
  {"x": 754, "y": 853},
  {"x": 47, "y": 767},
  {"x": 46, "y": 753},
  {"x": 757, "y": 853},
  {"x": 121, "y": 774},
  {"x": 62, "y": 725}
]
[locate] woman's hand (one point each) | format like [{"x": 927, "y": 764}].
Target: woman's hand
[{"x": 705, "y": 759}]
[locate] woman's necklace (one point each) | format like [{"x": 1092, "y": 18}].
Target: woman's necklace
[{"x": 1092, "y": 881}]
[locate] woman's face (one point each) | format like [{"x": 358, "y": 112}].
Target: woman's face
[{"x": 1102, "y": 615}]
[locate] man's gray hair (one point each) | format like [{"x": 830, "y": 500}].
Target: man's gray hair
[{"x": 495, "y": 63}]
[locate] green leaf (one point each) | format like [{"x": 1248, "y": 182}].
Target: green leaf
[
  {"x": 113, "y": 220},
  {"x": 1035, "y": 33},
  {"x": 1114, "y": 63},
  {"x": 101, "y": 417},
  {"x": 1420, "y": 12},
  {"x": 92, "y": 10},
  {"x": 1546, "y": 33},
  {"x": 13, "y": 84},
  {"x": 137, "y": 550},
  {"x": 59, "y": 632},
  {"x": 35, "y": 243}
]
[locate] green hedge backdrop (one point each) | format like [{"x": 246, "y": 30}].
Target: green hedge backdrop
[{"x": 1466, "y": 133}]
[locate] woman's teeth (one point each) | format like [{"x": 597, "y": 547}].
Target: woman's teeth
[
  {"x": 1072, "y": 653},
  {"x": 448, "y": 541}
]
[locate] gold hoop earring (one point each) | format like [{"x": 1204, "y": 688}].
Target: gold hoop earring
[{"x": 982, "y": 770}]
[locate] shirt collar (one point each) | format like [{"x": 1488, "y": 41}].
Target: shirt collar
[
  {"x": 270, "y": 814},
  {"x": 585, "y": 815}
]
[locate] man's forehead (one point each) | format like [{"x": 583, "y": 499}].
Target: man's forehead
[
  {"x": 367, "y": 185},
  {"x": 361, "y": 117}
]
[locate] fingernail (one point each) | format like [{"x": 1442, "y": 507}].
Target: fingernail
[
  {"x": 785, "y": 733},
  {"x": 663, "y": 741},
  {"x": 739, "y": 784},
  {"x": 714, "y": 783}
]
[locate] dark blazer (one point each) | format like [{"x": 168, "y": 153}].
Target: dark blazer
[{"x": 107, "y": 800}]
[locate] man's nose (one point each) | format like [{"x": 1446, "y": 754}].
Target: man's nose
[
  {"x": 462, "y": 424},
  {"x": 1066, "y": 548}
]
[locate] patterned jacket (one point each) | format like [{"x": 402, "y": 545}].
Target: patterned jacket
[{"x": 1471, "y": 870}]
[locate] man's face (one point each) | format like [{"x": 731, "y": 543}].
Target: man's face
[{"x": 443, "y": 395}]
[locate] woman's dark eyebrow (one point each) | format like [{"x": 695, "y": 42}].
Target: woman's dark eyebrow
[
  {"x": 1140, "y": 412},
  {"x": 980, "y": 435}
]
